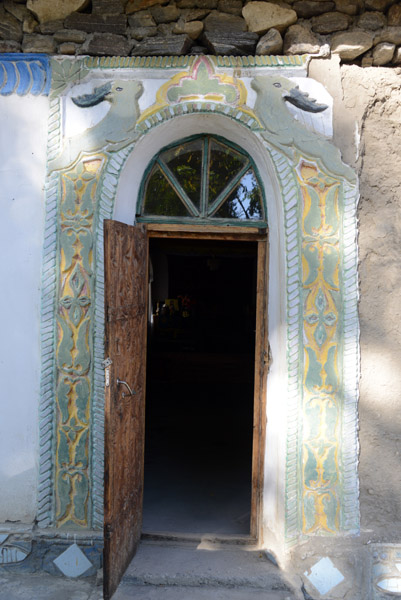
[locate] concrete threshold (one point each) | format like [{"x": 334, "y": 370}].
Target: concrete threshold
[
  {"x": 196, "y": 564},
  {"x": 130, "y": 592}
]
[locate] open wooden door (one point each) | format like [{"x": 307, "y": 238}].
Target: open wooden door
[{"x": 126, "y": 266}]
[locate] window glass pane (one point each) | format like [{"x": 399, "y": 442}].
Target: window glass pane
[
  {"x": 161, "y": 198},
  {"x": 185, "y": 161},
  {"x": 224, "y": 165},
  {"x": 245, "y": 202}
]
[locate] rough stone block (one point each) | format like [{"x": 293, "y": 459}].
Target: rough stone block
[
  {"x": 18, "y": 11},
  {"x": 142, "y": 19},
  {"x": 68, "y": 48},
  {"x": 262, "y": 16},
  {"x": 349, "y": 7},
  {"x": 372, "y": 20},
  {"x": 9, "y": 46},
  {"x": 30, "y": 25},
  {"x": 350, "y": 44},
  {"x": 192, "y": 28},
  {"x": 224, "y": 23},
  {"x": 52, "y": 10},
  {"x": 389, "y": 34},
  {"x": 206, "y": 4},
  {"x": 134, "y": 6},
  {"x": 165, "y": 14},
  {"x": 115, "y": 24},
  {"x": 165, "y": 29},
  {"x": 38, "y": 43},
  {"x": 108, "y": 44},
  {"x": 330, "y": 22},
  {"x": 194, "y": 14},
  {"x": 396, "y": 58},
  {"x": 188, "y": 4},
  {"x": 233, "y": 7},
  {"x": 380, "y": 5},
  {"x": 383, "y": 54},
  {"x": 163, "y": 46},
  {"x": 270, "y": 43},
  {"x": 367, "y": 60},
  {"x": 51, "y": 27},
  {"x": 107, "y": 7},
  {"x": 140, "y": 33},
  {"x": 236, "y": 44},
  {"x": 10, "y": 27},
  {"x": 299, "y": 40},
  {"x": 306, "y": 9},
  {"x": 394, "y": 15},
  {"x": 70, "y": 35}
]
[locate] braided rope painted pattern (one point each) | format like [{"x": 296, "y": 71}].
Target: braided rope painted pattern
[
  {"x": 167, "y": 113},
  {"x": 174, "y": 62},
  {"x": 49, "y": 289},
  {"x": 290, "y": 191},
  {"x": 135, "y": 62},
  {"x": 351, "y": 363}
]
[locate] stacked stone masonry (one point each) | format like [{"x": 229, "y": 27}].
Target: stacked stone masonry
[{"x": 363, "y": 32}]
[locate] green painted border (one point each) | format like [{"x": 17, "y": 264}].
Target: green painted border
[
  {"x": 174, "y": 62},
  {"x": 290, "y": 193}
]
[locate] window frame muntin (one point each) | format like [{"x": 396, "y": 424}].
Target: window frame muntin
[{"x": 203, "y": 218}]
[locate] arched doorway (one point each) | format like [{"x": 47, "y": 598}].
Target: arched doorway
[{"x": 205, "y": 325}]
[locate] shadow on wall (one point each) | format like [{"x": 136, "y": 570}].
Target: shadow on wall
[{"x": 380, "y": 306}]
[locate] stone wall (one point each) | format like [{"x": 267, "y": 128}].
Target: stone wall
[{"x": 366, "y": 32}]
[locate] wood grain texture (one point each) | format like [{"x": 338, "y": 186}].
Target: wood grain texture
[
  {"x": 259, "y": 411},
  {"x": 126, "y": 264},
  {"x": 206, "y": 232}
]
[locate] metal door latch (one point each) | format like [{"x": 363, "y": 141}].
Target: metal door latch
[
  {"x": 131, "y": 392},
  {"x": 106, "y": 364}
]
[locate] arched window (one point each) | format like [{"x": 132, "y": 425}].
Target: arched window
[{"x": 203, "y": 179}]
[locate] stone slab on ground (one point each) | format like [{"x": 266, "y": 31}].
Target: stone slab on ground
[
  {"x": 205, "y": 564},
  {"x": 151, "y": 592}
]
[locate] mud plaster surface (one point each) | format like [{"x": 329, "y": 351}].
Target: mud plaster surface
[
  {"x": 367, "y": 128},
  {"x": 373, "y": 97}
]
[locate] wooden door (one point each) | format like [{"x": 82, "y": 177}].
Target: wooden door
[{"x": 126, "y": 264}]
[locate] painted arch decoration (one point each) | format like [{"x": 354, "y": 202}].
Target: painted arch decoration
[{"x": 319, "y": 195}]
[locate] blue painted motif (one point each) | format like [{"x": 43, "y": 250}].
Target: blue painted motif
[{"x": 25, "y": 74}]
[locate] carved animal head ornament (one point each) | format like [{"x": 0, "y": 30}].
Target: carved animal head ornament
[
  {"x": 98, "y": 95},
  {"x": 113, "y": 132},
  {"x": 106, "y": 92},
  {"x": 279, "y": 86},
  {"x": 287, "y": 134}
]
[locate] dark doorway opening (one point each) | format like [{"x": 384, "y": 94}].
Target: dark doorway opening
[{"x": 200, "y": 386}]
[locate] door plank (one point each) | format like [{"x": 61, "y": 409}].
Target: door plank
[
  {"x": 261, "y": 369},
  {"x": 206, "y": 232},
  {"x": 126, "y": 266}
]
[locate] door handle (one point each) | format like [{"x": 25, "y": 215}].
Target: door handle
[{"x": 131, "y": 392}]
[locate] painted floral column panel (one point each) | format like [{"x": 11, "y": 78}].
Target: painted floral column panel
[
  {"x": 322, "y": 400},
  {"x": 74, "y": 353}
]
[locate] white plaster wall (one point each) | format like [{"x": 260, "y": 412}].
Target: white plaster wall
[{"x": 23, "y": 135}]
